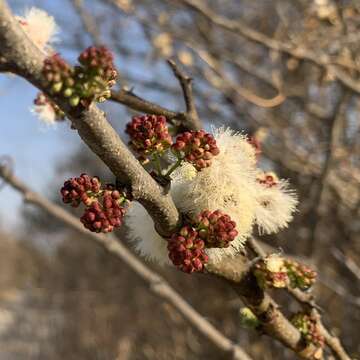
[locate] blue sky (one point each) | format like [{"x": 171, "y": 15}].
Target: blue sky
[{"x": 33, "y": 146}]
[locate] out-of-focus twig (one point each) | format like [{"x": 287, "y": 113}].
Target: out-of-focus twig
[
  {"x": 186, "y": 85},
  {"x": 224, "y": 82},
  {"x": 240, "y": 28},
  {"x": 88, "y": 21},
  {"x": 347, "y": 262}
]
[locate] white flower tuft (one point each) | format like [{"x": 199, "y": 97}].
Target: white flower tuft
[
  {"x": 148, "y": 243},
  {"x": 275, "y": 207},
  {"x": 40, "y": 27},
  {"x": 228, "y": 184},
  {"x": 45, "y": 113}
]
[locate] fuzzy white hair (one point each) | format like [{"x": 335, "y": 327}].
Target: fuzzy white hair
[
  {"x": 228, "y": 184},
  {"x": 275, "y": 207},
  {"x": 40, "y": 27},
  {"x": 147, "y": 242},
  {"x": 45, "y": 113}
]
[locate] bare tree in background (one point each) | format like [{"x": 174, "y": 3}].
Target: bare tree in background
[{"x": 286, "y": 72}]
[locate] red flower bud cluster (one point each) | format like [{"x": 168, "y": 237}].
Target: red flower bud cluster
[
  {"x": 271, "y": 272},
  {"x": 104, "y": 207},
  {"x": 187, "y": 250},
  {"x": 149, "y": 134},
  {"x": 275, "y": 271},
  {"x": 309, "y": 329},
  {"x": 268, "y": 179},
  {"x": 90, "y": 81},
  {"x": 300, "y": 275},
  {"x": 208, "y": 230},
  {"x": 197, "y": 147},
  {"x": 96, "y": 75},
  {"x": 215, "y": 228},
  {"x": 80, "y": 189},
  {"x": 42, "y": 100},
  {"x": 106, "y": 215},
  {"x": 59, "y": 76},
  {"x": 100, "y": 61}
]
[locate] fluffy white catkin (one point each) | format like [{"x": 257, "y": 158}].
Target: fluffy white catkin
[
  {"x": 275, "y": 207},
  {"x": 40, "y": 27},
  {"x": 229, "y": 184}
]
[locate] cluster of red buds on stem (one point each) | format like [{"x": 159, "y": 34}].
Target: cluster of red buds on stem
[
  {"x": 96, "y": 75},
  {"x": 300, "y": 275},
  {"x": 208, "y": 230},
  {"x": 309, "y": 329},
  {"x": 276, "y": 272},
  {"x": 59, "y": 77},
  {"x": 196, "y": 147},
  {"x": 270, "y": 272},
  {"x": 215, "y": 228},
  {"x": 87, "y": 82},
  {"x": 187, "y": 250},
  {"x": 149, "y": 135},
  {"x": 105, "y": 206}
]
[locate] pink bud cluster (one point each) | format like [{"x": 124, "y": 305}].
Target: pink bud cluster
[
  {"x": 268, "y": 179},
  {"x": 89, "y": 81},
  {"x": 309, "y": 329},
  {"x": 187, "y": 250},
  {"x": 300, "y": 275},
  {"x": 106, "y": 215},
  {"x": 96, "y": 75},
  {"x": 100, "y": 61},
  {"x": 105, "y": 207},
  {"x": 197, "y": 147},
  {"x": 270, "y": 276},
  {"x": 208, "y": 230},
  {"x": 42, "y": 100},
  {"x": 59, "y": 76},
  {"x": 215, "y": 228},
  {"x": 149, "y": 134},
  {"x": 277, "y": 272},
  {"x": 80, "y": 189}
]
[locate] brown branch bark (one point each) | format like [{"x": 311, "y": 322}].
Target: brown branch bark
[
  {"x": 186, "y": 86},
  {"x": 157, "y": 285}
]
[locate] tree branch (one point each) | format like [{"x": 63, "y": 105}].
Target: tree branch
[
  {"x": 92, "y": 126},
  {"x": 186, "y": 86},
  {"x": 308, "y": 301}
]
